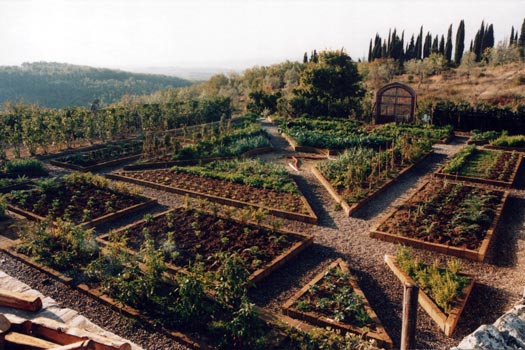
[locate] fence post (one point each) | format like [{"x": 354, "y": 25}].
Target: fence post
[{"x": 408, "y": 328}]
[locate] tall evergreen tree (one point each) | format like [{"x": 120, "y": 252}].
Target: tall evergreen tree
[
  {"x": 460, "y": 43},
  {"x": 419, "y": 44},
  {"x": 376, "y": 52},
  {"x": 435, "y": 45},
  {"x": 488, "y": 39},
  {"x": 370, "y": 59},
  {"x": 411, "y": 49},
  {"x": 511, "y": 40},
  {"x": 427, "y": 46},
  {"x": 448, "y": 45},
  {"x": 305, "y": 57},
  {"x": 521, "y": 40},
  {"x": 478, "y": 42},
  {"x": 442, "y": 45}
]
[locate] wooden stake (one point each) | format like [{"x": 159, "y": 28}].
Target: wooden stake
[
  {"x": 27, "y": 341},
  {"x": 408, "y": 329}
]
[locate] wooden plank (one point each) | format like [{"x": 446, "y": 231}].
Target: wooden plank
[
  {"x": 24, "y": 340},
  {"x": 20, "y": 301},
  {"x": 81, "y": 345}
]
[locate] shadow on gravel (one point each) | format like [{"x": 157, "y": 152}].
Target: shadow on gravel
[
  {"x": 503, "y": 252},
  {"x": 520, "y": 178},
  {"x": 291, "y": 274},
  {"x": 324, "y": 218},
  {"x": 404, "y": 184}
]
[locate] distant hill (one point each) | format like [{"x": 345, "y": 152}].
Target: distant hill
[{"x": 60, "y": 84}]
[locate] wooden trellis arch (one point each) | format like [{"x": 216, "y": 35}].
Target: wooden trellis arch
[{"x": 395, "y": 102}]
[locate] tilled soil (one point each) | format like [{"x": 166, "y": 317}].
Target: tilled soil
[{"x": 500, "y": 280}]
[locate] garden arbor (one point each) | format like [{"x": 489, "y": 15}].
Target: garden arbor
[{"x": 395, "y": 102}]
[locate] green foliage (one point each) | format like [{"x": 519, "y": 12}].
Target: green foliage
[
  {"x": 76, "y": 85},
  {"x": 263, "y": 103},
  {"x": 25, "y": 166},
  {"x": 250, "y": 172},
  {"x": 444, "y": 286},
  {"x": 62, "y": 245},
  {"x": 4, "y": 182},
  {"x": 509, "y": 141},
  {"x": 478, "y": 135},
  {"x": 323, "y": 339},
  {"x": 329, "y": 87},
  {"x": 460, "y": 159},
  {"x": 3, "y": 207}
]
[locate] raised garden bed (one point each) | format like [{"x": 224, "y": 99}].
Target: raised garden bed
[
  {"x": 486, "y": 167},
  {"x": 102, "y": 157},
  {"x": 198, "y": 183},
  {"x": 338, "y": 194},
  {"x": 445, "y": 217},
  {"x": 8, "y": 185},
  {"x": 22, "y": 168},
  {"x": 333, "y": 299},
  {"x": 448, "y": 320},
  {"x": 85, "y": 200},
  {"x": 187, "y": 236}
]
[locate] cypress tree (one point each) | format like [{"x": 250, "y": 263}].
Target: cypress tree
[
  {"x": 460, "y": 43},
  {"x": 448, "y": 45},
  {"x": 305, "y": 57},
  {"x": 521, "y": 40},
  {"x": 370, "y": 52},
  {"x": 419, "y": 44},
  {"x": 488, "y": 39},
  {"x": 511, "y": 40},
  {"x": 427, "y": 45},
  {"x": 376, "y": 52},
  {"x": 435, "y": 45},
  {"x": 411, "y": 49}
]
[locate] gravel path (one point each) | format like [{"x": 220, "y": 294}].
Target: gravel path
[{"x": 500, "y": 280}]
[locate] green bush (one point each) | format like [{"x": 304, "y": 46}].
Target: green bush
[
  {"x": 25, "y": 166},
  {"x": 509, "y": 141}
]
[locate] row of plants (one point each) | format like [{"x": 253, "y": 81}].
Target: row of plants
[
  {"x": 443, "y": 285},
  {"x": 213, "y": 306},
  {"x": 504, "y": 140},
  {"x": 446, "y": 213},
  {"x": 76, "y": 197},
  {"x": 108, "y": 152},
  {"x": 477, "y": 163},
  {"x": 22, "y": 167},
  {"x": 479, "y": 136},
  {"x": 433, "y": 133},
  {"x": 331, "y": 134},
  {"x": 360, "y": 171},
  {"x": 40, "y": 129}
]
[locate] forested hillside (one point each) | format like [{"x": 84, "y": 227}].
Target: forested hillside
[{"x": 60, "y": 84}]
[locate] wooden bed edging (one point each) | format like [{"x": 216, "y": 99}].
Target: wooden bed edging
[
  {"x": 446, "y": 322},
  {"x": 349, "y": 209},
  {"x": 307, "y": 149},
  {"x": 256, "y": 276},
  {"x": 70, "y": 151},
  {"x": 380, "y": 335},
  {"x": 504, "y": 148},
  {"x": 505, "y": 184},
  {"x": 310, "y": 218},
  {"x": 96, "y": 221},
  {"x": 15, "y": 187},
  {"x": 476, "y": 255},
  {"x": 169, "y": 164},
  {"x": 95, "y": 166}
]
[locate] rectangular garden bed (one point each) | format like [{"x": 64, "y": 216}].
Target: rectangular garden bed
[
  {"x": 78, "y": 199},
  {"x": 486, "y": 167},
  {"x": 102, "y": 157},
  {"x": 445, "y": 217},
  {"x": 446, "y": 321},
  {"x": 350, "y": 208},
  {"x": 305, "y": 305},
  {"x": 187, "y": 235},
  {"x": 223, "y": 192}
]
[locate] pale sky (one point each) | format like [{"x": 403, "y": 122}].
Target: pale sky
[{"x": 225, "y": 33}]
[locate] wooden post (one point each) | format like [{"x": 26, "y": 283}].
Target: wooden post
[{"x": 408, "y": 329}]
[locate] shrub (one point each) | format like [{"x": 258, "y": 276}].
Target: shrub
[{"x": 25, "y": 166}]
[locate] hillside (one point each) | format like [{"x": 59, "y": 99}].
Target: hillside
[{"x": 59, "y": 84}]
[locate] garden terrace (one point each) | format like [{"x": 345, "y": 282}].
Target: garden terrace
[
  {"x": 188, "y": 236},
  {"x": 233, "y": 140},
  {"x": 81, "y": 198},
  {"x": 443, "y": 292},
  {"x": 360, "y": 174},
  {"x": 447, "y": 218},
  {"x": 482, "y": 166},
  {"x": 108, "y": 155},
  {"x": 236, "y": 183},
  {"x": 329, "y": 136},
  {"x": 333, "y": 299}
]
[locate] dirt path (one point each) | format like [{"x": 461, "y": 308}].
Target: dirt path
[{"x": 500, "y": 281}]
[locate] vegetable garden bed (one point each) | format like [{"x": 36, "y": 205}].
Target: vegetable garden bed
[
  {"x": 85, "y": 200},
  {"x": 273, "y": 190},
  {"x": 447, "y": 218},
  {"x": 494, "y": 168},
  {"x": 101, "y": 157},
  {"x": 349, "y": 207},
  {"x": 333, "y": 299},
  {"x": 448, "y": 320},
  {"x": 8, "y": 185},
  {"x": 188, "y": 236}
]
